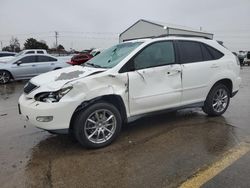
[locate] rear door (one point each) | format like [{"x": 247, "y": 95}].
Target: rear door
[
  {"x": 45, "y": 63},
  {"x": 155, "y": 83},
  {"x": 25, "y": 67},
  {"x": 199, "y": 64}
]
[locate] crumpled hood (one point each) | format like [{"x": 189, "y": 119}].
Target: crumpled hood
[{"x": 54, "y": 80}]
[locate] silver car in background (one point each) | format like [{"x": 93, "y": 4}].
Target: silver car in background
[{"x": 28, "y": 66}]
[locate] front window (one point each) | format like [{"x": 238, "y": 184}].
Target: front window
[
  {"x": 28, "y": 59},
  {"x": 157, "y": 54},
  {"x": 112, "y": 56}
]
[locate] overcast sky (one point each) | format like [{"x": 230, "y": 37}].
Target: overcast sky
[{"x": 96, "y": 23}]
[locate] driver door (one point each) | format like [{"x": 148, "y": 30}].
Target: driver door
[
  {"x": 25, "y": 67},
  {"x": 155, "y": 83}
]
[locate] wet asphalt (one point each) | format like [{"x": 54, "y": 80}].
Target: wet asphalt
[{"x": 156, "y": 151}]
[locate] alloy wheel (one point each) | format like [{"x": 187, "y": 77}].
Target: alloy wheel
[
  {"x": 4, "y": 77},
  {"x": 100, "y": 126},
  {"x": 220, "y": 100}
]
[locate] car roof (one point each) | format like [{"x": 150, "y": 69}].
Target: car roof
[
  {"x": 169, "y": 38},
  {"x": 34, "y": 50},
  {"x": 210, "y": 42},
  {"x": 152, "y": 39}
]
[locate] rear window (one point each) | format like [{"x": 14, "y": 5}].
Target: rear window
[{"x": 30, "y": 52}]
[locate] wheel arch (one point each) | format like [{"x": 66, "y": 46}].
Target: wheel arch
[
  {"x": 227, "y": 82},
  {"x": 12, "y": 77},
  {"x": 113, "y": 99},
  {"x": 57, "y": 68}
]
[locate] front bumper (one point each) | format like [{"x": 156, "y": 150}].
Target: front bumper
[{"x": 61, "y": 112}]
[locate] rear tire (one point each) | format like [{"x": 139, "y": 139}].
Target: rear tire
[
  {"x": 217, "y": 100},
  {"x": 98, "y": 125},
  {"x": 4, "y": 77}
]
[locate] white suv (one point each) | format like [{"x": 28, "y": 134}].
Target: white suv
[{"x": 137, "y": 77}]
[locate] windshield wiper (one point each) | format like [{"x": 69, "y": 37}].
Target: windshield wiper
[{"x": 93, "y": 65}]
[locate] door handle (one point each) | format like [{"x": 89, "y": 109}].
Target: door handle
[
  {"x": 173, "y": 72},
  {"x": 52, "y": 64},
  {"x": 33, "y": 65}
]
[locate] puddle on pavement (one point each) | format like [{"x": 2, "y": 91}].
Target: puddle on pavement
[{"x": 151, "y": 151}]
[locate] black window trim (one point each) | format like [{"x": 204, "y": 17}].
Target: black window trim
[
  {"x": 27, "y": 56},
  {"x": 200, "y": 43},
  {"x": 125, "y": 67},
  {"x": 43, "y": 55}
]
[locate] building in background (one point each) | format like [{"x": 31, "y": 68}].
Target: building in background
[{"x": 146, "y": 29}]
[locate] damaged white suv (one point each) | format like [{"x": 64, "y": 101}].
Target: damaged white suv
[{"x": 129, "y": 79}]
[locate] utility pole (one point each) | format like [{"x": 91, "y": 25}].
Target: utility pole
[
  {"x": 56, "y": 35},
  {"x": 1, "y": 45}
]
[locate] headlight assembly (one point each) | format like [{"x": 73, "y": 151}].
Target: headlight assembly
[{"x": 51, "y": 97}]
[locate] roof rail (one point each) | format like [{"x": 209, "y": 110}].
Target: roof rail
[
  {"x": 181, "y": 35},
  {"x": 167, "y": 35}
]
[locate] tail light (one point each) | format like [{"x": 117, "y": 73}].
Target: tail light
[{"x": 70, "y": 62}]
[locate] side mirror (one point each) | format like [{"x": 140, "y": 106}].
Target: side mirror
[{"x": 19, "y": 63}]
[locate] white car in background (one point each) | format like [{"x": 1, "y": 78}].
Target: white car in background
[
  {"x": 130, "y": 79},
  {"x": 29, "y": 65}
]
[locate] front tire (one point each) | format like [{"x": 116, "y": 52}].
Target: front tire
[
  {"x": 4, "y": 77},
  {"x": 217, "y": 100},
  {"x": 98, "y": 125}
]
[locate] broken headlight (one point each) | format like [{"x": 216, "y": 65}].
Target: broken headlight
[{"x": 51, "y": 97}]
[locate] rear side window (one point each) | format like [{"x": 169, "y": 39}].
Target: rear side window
[
  {"x": 215, "y": 53},
  {"x": 45, "y": 59},
  {"x": 40, "y": 52},
  {"x": 190, "y": 52}
]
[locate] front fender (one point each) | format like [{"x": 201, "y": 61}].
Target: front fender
[{"x": 100, "y": 86}]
